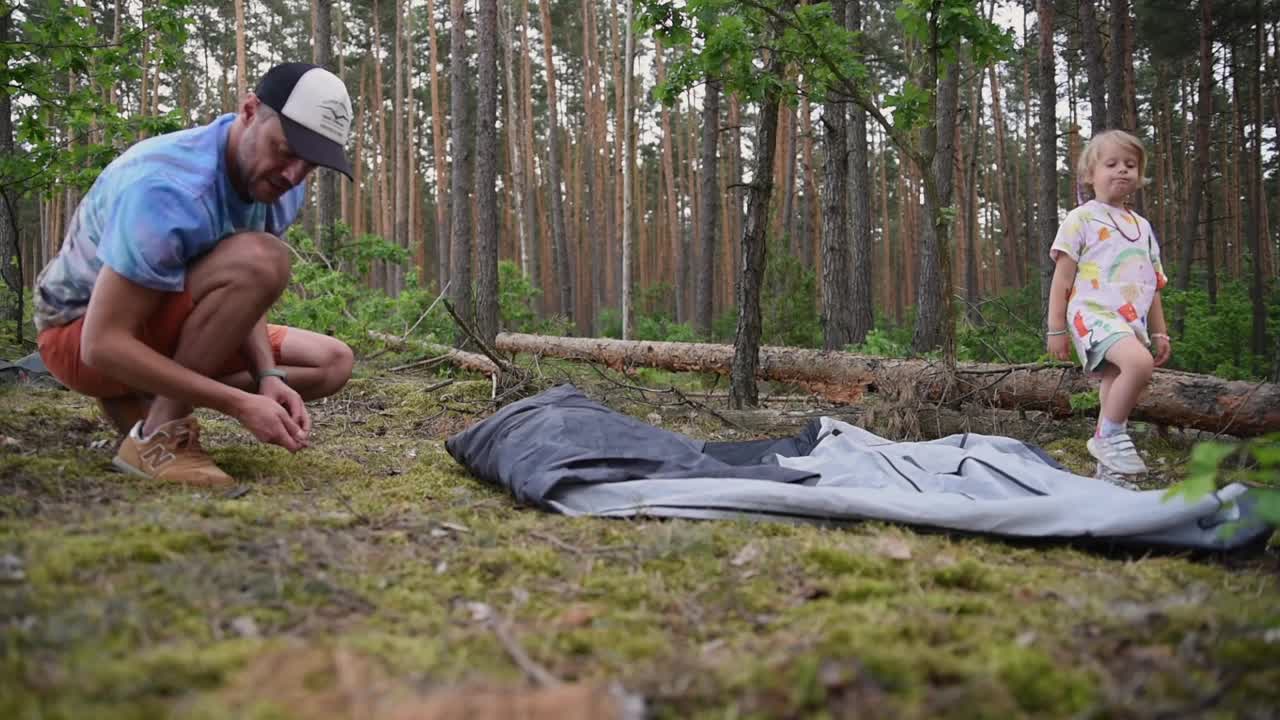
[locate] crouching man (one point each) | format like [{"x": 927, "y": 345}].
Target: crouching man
[{"x": 156, "y": 303}]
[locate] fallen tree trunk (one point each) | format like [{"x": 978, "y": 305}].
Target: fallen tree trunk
[
  {"x": 457, "y": 358},
  {"x": 928, "y": 423},
  {"x": 1173, "y": 398}
]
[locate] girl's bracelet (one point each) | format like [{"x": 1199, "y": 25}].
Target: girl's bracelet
[
  {"x": 1161, "y": 335},
  {"x": 1054, "y": 333}
]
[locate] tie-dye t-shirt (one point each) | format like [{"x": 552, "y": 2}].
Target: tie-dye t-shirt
[
  {"x": 152, "y": 212},
  {"x": 1117, "y": 276}
]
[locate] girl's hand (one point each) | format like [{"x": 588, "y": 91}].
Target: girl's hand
[
  {"x": 1059, "y": 347},
  {"x": 1161, "y": 349}
]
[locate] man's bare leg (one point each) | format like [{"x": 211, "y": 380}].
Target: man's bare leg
[
  {"x": 318, "y": 365},
  {"x": 124, "y": 411},
  {"x": 231, "y": 288}
]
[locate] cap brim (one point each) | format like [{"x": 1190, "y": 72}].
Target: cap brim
[{"x": 315, "y": 148}]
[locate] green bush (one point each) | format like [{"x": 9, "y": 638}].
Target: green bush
[
  {"x": 788, "y": 302},
  {"x": 328, "y": 295},
  {"x": 1216, "y": 340}
]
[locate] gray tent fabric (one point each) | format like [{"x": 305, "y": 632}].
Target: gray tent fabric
[
  {"x": 565, "y": 453},
  {"x": 29, "y": 370}
]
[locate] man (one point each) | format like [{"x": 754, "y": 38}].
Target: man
[{"x": 168, "y": 269}]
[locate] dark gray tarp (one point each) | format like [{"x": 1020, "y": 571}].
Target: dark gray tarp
[
  {"x": 28, "y": 370},
  {"x": 565, "y": 453}
]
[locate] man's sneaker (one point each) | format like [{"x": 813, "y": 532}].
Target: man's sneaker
[
  {"x": 1117, "y": 453},
  {"x": 1114, "y": 478},
  {"x": 172, "y": 454}
]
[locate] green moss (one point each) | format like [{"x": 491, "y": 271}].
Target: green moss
[
  {"x": 137, "y": 594},
  {"x": 842, "y": 561},
  {"x": 57, "y": 559},
  {"x": 968, "y": 574},
  {"x": 1041, "y": 685}
]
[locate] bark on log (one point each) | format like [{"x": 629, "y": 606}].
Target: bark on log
[
  {"x": 929, "y": 423},
  {"x": 1173, "y": 398},
  {"x": 457, "y": 358}
]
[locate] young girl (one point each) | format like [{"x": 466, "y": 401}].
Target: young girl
[{"x": 1106, "y": 295}]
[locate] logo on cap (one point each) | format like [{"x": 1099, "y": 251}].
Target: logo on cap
[{"x": 334, "y": 114}]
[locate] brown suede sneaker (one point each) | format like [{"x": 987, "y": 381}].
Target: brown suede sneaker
[{"x": 172, "y": 454}]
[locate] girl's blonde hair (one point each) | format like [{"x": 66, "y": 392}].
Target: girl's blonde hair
[{"x": 1088, "y": 158}]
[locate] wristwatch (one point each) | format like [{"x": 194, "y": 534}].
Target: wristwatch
[{"x": 271, "y": 372}]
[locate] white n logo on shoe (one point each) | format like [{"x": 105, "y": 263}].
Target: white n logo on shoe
[{"x": 157, "y": 456}]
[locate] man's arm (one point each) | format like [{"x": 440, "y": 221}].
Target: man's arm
[
  {"x": 257, "y": 348},
  {"x": 109, "y": 342}
]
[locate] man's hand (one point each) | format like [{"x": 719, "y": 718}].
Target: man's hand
[
  {"x": 288, "y": 398},
  {"x": 272, "y": 422}
]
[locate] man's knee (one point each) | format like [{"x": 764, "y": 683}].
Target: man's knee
[
  {"x": 257, "y": 259},
  {"x": 343, "y": 360}
]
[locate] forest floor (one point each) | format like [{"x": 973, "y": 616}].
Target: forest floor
[{"x": 370, "y": 574}]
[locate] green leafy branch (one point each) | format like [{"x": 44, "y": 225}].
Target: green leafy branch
[{"x": 1254, "y": 462}]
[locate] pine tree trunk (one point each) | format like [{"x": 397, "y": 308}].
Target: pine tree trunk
[
  {"x": 559, "y": 244},
  {"x": 1115, "y": 76},
  {"x": 733, "y": 246},
  {"x": 596, "y": 231},
  {"x": 1048, "y": 133},
  {"x": 861, "y": 299},
  {"x": 934, "y": 323},
  {"x": 836, "y": 253},
  {"x": 10, "y": 252},
  {"x": 1095, "y": 64},
  {"x": 537, "y": 237},
  {"x": 515, "y": 147},
  {"x": 486, "y": 321},
  {"x": 1210, "y": 250},
  {"x": 688, "y": 149},
  {"x": 1004, "y": 188},
  {"x": 1204, "y": 116},
  {"x": 399, "y": 154},
  {"x": 461, "y": 135},
  {"x": 443, "y": 236},
  {"x": 386, "y": 207},
  {"x": 746, "y": 344},
  {"x": 241, "y": 64},
  {"x": 709, "y": 207},
  {"x": 326, "y": 180},
  {"x": 358, "y": 125},
  {"x": 809, "y": 199},
  {"x": 672, "y": 197},
  {"x": 628, "y": 251},
  {"x": 1261, "y": 273},
  {"x": 971, "y": 206}
]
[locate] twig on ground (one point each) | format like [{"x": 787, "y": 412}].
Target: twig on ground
[
  {"x": 439, "y": 385},
  {"x": 536, "y": 672},
  {"x": 361, "y": 518},
  {"x": 426, "y": 312},
  {"x": 574, "y": 549},
  {"x": 424, "y": 363},
  {"x": 710, "y": 410},
  {"x": 466, "y": 328}
]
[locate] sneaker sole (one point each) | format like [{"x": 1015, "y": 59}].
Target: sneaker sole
[
  {"x": 1092, "y": 447},
  {"x": 128, "y": 469}
]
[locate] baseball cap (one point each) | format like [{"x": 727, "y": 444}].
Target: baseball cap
[{"x": 314, "y": 109}]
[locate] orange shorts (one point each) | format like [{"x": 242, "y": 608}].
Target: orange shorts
[{"x": 60, "y": 348}]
